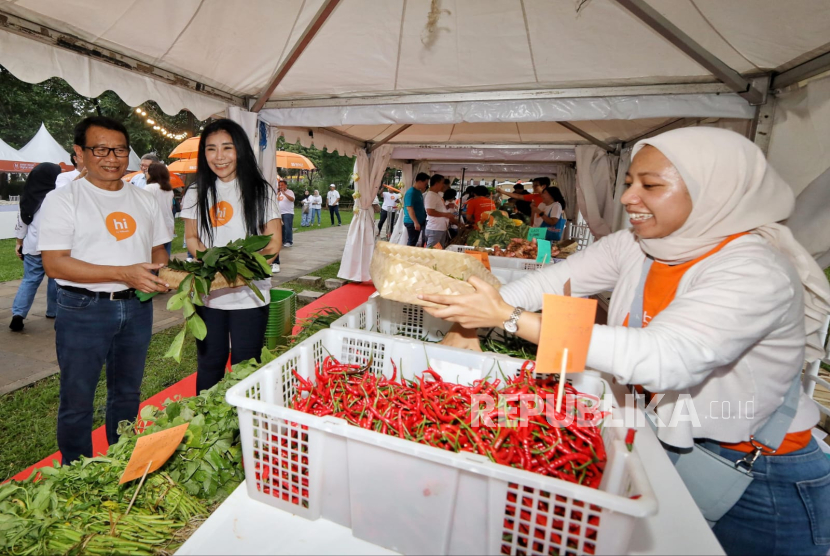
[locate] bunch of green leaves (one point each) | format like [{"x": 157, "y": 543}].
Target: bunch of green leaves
[
  {"x": 500, "y": 233},
  {"x": 237, "y": 260}
]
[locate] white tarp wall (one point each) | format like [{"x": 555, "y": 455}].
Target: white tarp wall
[{"x": 595, "y": 178}]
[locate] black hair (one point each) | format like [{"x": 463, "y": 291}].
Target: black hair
[
  {"x": 159, "y": 174},
  {"x": 449, "y": 194},
  {"x": 422, "y": 177},
  {"x": 554, "y": 192},
  {"x": 254, "y": 189},
  {"x": 435, "y": 179},
  {"x": 544, "y": 181},
  {"x": 518, "y": 186},
  {"x": 98, "y": 121},
  {"x": 482, "y": 191},
  {"x": 447, "y": 181}
]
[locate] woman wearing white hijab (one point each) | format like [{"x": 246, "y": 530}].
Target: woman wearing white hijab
[{"x": 731, "y": 306}]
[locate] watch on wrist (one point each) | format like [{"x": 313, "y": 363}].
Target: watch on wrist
[{"x": 511, "y": 325}]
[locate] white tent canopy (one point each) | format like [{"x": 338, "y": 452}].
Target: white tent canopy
[
  {"x": 43, "y": 148},
  {"x": 135, "y": 162},
  {"x": 10, "y": 154}
]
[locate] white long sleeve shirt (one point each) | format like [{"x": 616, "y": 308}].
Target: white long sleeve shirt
[{"x": 732, "y": 338}]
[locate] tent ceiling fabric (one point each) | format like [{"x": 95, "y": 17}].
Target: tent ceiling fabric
[{"x": 387, "y": 46}]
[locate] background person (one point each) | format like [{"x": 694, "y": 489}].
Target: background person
[
  {"x": 316, "y": 207},
  {"x": 101, "y": 240},
  {"x": 387, "y": 211},
  {"x": 230, "y": 200},
  {"x": 551, "y": 212},
  {"x": 67, "y": 177},
  {"x": 438, "y": 217},
  {"x": 158, "y": 183},
  {"x": 285, "y": 197},
  {"x": 534, "y": 199},
  {"x": 305, "y": 202},
  {"x": 731, "y": 304},
  {"x": 333, "y": 202},
  {"x": 41, "y": 180},
  {"x": 414, "y": 214},
  {"x": 140, "y": 180},
  {"x": 480, "y": 205}
]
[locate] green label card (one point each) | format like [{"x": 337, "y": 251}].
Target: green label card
[
  {"x": 536, "y": 233},
  {"x": 543, "y": 251}
]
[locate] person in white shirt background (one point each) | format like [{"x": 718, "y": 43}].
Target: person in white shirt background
[
  {"x": 316, "y": 207},
  {"x": 41, "y": 180},
  {"x": 286, "y": 201},
  {"x": 438, "y": 217},
  {"x": 230, "y": 200},
  {"x": 140, "y": 180},
  {"x": 158, "y": 183},
  {"x": 68, "y": 177},
  {"x": 305, "y": 202},
  {"x": 550, "y": 213},
  {"x": 387, "y": 211},
  {"x": 333, "y": 202},
  {"x": 745, "y": 304},
  {"x": 101, "y": 240}
]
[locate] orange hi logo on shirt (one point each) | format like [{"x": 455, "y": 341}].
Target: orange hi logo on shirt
[
  {"x": 120, "y": 225},
  {"x": 220, "y": 214}
]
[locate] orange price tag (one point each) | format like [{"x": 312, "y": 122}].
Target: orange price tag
[
  {"x": 153, "y": 450},
  {"x": 567, "y": 322},
  {"x": 482, "y": 256},
  {"x": 437, "y": 246}
]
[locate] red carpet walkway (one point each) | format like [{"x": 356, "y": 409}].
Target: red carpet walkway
[{"x": 343, "y": 299}]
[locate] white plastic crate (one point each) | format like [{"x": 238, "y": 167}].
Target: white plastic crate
[
  {"x": 395, "y": 319},
  {"x": 506, "y": 262},
  {"x": 417, "y": 499}
]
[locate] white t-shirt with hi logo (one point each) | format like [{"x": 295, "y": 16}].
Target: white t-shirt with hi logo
[
  {"x": 111, "y": 228},
  {"x": 228, "y": 220}
]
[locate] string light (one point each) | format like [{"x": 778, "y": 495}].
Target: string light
[{"x": 157, "y": 127}]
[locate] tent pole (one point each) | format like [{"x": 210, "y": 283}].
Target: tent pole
[{"x": 584, "y": 134}]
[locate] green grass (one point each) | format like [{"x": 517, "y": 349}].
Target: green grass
[
  {"x": 11, "y": 268},
  {"x": 346, "y": 215},
  {"x": 28, "y": 417},
  {"x": 325, "y": 273}
]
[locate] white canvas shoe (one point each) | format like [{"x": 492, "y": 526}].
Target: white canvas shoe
[{"x": 275, "y": 268}]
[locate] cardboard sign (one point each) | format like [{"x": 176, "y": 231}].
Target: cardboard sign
[
  {"x": 543, "y": 251},
  {"x": 156, "y": 448},
  {"x": 536, "y": 233},
  {"x": 567, "y": 322},
  {"x": 482, "y": 256}
]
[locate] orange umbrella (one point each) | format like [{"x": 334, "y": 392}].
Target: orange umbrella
[
  {"x": 294, "y": 161},
  {"x": 184, "y": 166},
  {"x": 189, "y": 148},
  {"x": 175, "y": 181}
]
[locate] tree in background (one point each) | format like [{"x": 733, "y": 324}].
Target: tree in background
[{"x": 331, "y": 168}]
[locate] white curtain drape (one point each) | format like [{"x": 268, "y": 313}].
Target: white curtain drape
[
  {"x": 267, "y": 150},
  {"x": 566, "y": 180},
  {"x": 620, "y": 220},
  {"x": 360, "y": 243},
  {"x": 595, "y": 188},
  {"x": 810, "y": 222},
  {"x": 248, "y": 121},
  {"x": 399, "y": 235}
]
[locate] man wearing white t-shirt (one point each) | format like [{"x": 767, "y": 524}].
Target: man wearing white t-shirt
[
  {"x": 387, "y": 210},
  {"x": 140, "y": 180},
  {"x": 438, "y": 218},
  {"x": 333, "y": 202},
  {"x": 102, "y": 240},
  {"x": 285, "y": 197}
]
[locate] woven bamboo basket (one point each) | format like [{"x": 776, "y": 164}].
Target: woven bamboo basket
[
  {"x": 403, "y": 273},
  {"x": 174, "y": 277}
]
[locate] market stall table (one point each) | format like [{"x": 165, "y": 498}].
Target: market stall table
[{"x": 244, "y": 526}]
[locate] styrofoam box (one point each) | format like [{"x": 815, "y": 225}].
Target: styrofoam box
[
  {"x": 506, "y": 262},
  {"x": 418, "y": 499}
]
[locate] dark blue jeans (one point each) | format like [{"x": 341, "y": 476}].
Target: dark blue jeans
[
  {"x": 89, "y": 333},
  {"x": 332, "y": 211},
  {"x": 33, "y": 275},
  {"x": 785, "y": 510},
  {"x": 288, "y": 228}
]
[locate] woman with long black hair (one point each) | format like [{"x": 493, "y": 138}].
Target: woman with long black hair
[{"x": 230, "y": 200}]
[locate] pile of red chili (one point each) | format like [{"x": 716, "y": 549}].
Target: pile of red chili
[{"x": 448, "y": 415}]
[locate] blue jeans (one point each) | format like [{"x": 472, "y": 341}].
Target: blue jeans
[
  {"x": 169, "y": 248},
  {"x": 33, "y": 274},
  {"x": 315, "y": 213},
  {"x": 413, "y": 235},
  {"x": 288, "y": 228},
  {"x": 785, "y": 510},
  {"x": 335, "y": 210},
  {"x": 306, "y": 219},
  {"x": 90, "y": 332}
]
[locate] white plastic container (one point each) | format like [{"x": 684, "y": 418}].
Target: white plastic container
[
  {"x": 395, "y": 319},
  {"x": 506, "y": 262},
  {"x": 413, "y": 498}
]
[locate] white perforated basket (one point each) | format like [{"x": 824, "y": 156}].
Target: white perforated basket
[{"x": 414, "y": 498}]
